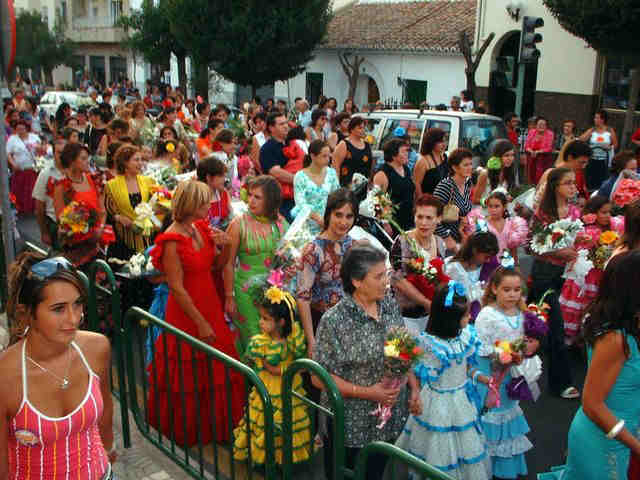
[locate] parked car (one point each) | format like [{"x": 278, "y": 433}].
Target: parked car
[
  {"x": 50, "y": 101},
  {"x": 477, "y": 132}
]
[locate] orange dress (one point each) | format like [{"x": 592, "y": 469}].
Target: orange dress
[{"x": 198, "y": 281}]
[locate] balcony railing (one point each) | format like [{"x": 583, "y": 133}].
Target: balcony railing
[{"x": 94, "y": 22}]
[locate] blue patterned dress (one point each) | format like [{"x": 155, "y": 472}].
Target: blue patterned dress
[
  {"x": 592, "y": 456},
  {"x": 448, "y": 433},
  {"x": 307, "y": 192},
  {"x": 505, "y": 427}
]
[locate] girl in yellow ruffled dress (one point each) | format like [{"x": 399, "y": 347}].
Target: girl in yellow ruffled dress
[{"x": 271, "y": 352}]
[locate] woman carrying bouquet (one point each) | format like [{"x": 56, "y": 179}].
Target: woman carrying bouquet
[
  {"x": 547, "y": 271},
  {"x": 254, "y": 239},
  {"x": 419, "y": 243},
  {"x": 122, "y": 195},
  {"x": 576, "y": 298},
  {"x": 350, "y": 346},
  {"x": 78, "y": 196}
]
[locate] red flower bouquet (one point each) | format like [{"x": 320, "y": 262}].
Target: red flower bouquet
[{"x": 426, "y": 276}]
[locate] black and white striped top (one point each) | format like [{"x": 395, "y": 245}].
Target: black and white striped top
[{"x": 447, "y": 191}]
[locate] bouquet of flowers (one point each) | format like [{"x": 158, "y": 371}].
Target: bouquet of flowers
[
  {"x": 41, "y": 162},
  {"x": 139, "y": 265},
  {"x": 555, "y": 236},
  {"x": 524, "y": 375},
  {"x": 377, "y": 205},
  {"x": 425, "y": 275},
  {"x": 149, "y": 134},
  {"x": 626, "y": 192},
  {"x": 76, "y": 223},
  {"x": 600, "y": 253},
  {"x": 160, "y": 197},
  {"x": 146, "y": 220},
  {"x": 505, "y": 355},
  {"x": 163, "y": 175},
  {"x": 290, "y": 247},
  {"x": 401, "y": 352}
]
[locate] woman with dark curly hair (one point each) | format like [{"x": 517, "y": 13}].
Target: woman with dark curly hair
[
  {"x": 432, "y": 166},
  {"x": 601, "y": 436}
]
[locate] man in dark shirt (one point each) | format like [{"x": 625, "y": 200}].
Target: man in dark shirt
[{"x": 272, "y": 160}]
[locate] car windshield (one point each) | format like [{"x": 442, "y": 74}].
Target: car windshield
[
  {"x": 479, "y": 135},
  {"x": 48, "y": 98},
  {"x": 76, "y": 100}
]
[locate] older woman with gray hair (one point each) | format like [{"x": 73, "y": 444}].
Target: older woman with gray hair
[{"x": 350, "y": 346}]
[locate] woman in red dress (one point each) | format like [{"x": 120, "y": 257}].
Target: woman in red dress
[{"x": 186, "y": 253}]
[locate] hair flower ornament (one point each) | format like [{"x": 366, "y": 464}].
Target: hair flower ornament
[
  {"x": 274, "y": 295},
  {"x": 482, "y": 226},
  {"x": 507, "y": 261}
]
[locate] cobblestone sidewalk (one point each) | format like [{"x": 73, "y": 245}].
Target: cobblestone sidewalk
[{"x": 142, "y": 461}]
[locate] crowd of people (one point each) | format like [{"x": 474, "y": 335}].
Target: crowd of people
[{"x": 209, "y": 198}]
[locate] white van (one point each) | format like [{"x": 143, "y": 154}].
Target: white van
[{"x": 475, "y": 131}]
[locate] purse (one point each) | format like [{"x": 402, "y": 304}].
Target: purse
[{"x": 450, "y": 213}]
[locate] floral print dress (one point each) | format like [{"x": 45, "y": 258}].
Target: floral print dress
[{"x": 306, "y": 192}]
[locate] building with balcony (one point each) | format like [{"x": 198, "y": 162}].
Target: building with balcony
[{"x": 92, "y": 24}]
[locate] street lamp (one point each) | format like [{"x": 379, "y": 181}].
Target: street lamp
[{"x": 513, "y": 9}]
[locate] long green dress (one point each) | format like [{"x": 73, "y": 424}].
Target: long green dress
[{"x": 255, "y": 257}]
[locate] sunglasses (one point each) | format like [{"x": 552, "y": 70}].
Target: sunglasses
[{"x": 50, "y": 266}]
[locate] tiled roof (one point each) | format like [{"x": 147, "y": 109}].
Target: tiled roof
[{"x": 426, "y": 26}]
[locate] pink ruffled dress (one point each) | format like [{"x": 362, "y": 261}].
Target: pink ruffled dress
[
  {"x": 513, "y": 234},
  {"x": 573, "y": 299}
]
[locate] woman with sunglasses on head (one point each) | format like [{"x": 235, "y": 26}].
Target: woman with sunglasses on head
[{"x": 56, "y": 407}]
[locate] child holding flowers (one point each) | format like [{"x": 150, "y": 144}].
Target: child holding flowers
[
  {"x": 601, "y": 234},
  {"x": 280, "y": 342},
  {"x": 501, "y": 328},
  {"x": 447, "y": 433}
]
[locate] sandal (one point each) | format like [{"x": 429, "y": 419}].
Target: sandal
[{"x": 570, "y": 393}]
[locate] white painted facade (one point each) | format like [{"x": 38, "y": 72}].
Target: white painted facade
[
  {"x": 567, "y": 63},
  {"x": 444, "y": 74}
]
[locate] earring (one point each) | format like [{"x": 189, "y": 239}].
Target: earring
[{"x": 26, "y": 330}]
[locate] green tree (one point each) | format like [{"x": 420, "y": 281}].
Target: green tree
[
  {"x": 39, "y": 48},
  {"x": 610, "y": 28},
  {"x": 148, "y": 32},
  {"x": 250, "y": 42},
  {"x": 263, "y": 45}
]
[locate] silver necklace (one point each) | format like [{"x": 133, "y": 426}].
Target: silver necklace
[{"x": 64, "y": 381}]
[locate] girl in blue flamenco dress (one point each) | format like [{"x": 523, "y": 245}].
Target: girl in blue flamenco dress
[{"x": 447, "y": 434}]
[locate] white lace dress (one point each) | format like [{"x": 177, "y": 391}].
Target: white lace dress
[
  {"x": 505, "y": 427},
  {"x": 448, "y": 434}
]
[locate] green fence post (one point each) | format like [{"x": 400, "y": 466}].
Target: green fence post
[
  {"x": 120, "y": 331},
  {"x": 391, "y": 451},
  {"x": 337, "y": 406}
]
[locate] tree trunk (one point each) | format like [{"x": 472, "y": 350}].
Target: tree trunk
[
  {"x": 182, "y": 72},
  {"x": 48, "y": 77},
  {"x": 352, "y": 71},
  {"x": 254, "y": 91},
  {"x": 634, "y": 91},
  {"x": 471, "y": 84},
  {"x": 200, "y": 79}
]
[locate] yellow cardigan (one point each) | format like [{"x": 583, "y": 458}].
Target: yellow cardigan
[{"x": 117, "y": 203}]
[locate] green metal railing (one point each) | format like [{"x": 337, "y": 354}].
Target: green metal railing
[
  {"x": 336, "y": 413},
  {"x": 418, "y": 467},
  {"x": 113, "y": 294},
  {"x": 142, "y": 374}
]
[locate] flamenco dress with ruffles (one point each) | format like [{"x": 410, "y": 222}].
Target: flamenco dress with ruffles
[
  {"x": 574, "y": 299},
  {"x": 592, "y": 456},
  {"x": 255, "y": 257},
  {"x": 264, "y": 349},
  {"x": 448, "y": 434},
  {"x": 185, "y": 416},
  {"x": 504, "y": 426}
]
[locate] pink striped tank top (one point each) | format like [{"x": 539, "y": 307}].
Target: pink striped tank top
[{"x": 65, "y": 448}]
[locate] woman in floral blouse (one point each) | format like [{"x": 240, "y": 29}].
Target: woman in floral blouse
[
  {"x": 319, "y": 284},
  {"x": 350, "y": 344}
]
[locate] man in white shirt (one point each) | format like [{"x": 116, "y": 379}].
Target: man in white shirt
[
  {"x": 43, "y": 196},
  {"x": 259, "y": 139}
]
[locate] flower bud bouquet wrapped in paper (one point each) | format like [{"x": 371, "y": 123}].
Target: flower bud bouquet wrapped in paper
[
  {"x": 555, "y": 236},
  {"x": 401, "y": 352},
  {"x": 291, "y": 245},
  {"x": 422, "y": 274}
]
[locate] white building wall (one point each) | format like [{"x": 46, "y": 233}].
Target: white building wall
[
  {"x": 444, "y": 74},
  {"x": 567, "y": 64}
]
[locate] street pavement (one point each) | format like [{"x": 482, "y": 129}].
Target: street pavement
[{"x": 549, "y": 418}]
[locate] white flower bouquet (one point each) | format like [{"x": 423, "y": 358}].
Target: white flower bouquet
[{"x": 556, "y": 236}]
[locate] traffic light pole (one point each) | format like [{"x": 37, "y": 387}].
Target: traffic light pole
[{"x": 520, "y": 88}]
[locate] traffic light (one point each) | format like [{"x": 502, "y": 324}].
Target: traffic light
[{"x": 528, "y": 39}]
